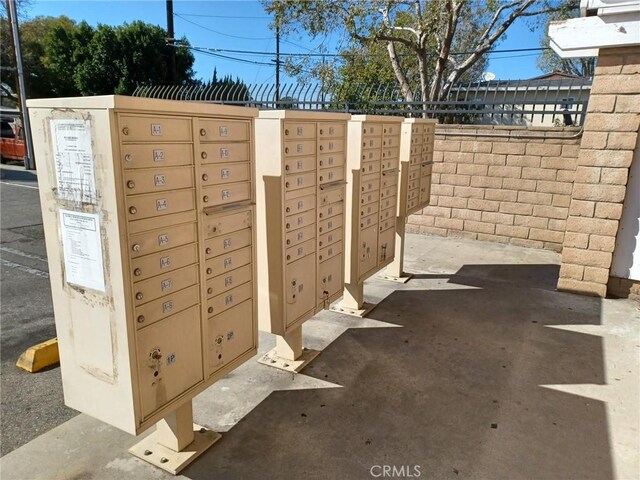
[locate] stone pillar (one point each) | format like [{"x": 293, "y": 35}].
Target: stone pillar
[{"x": 606, "y": 152}]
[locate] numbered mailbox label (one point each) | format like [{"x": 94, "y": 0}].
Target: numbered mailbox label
[
  {"x": 171, "y": 358},
  {"x": 167, "y": 306},
  {"x": 227, "y": 262},
  {"x": 226, "y": 243},
  {"x": 161, "y": 204},
  {"x": 165, "y": 262},
  {"x": 226, "y": 194},
  {"x": 159, "y": 180},
  {"x": 158, "y": 155},
  {"x": 166, "y": 285},
  {"x": 300, "y": 235},
  {"x": 223, "y": 131},
  {"x": 156, "y": 129},
  {"x": 299, "y": 148},
  {"x": 224, "y": 152},
  {"x": 163, "y": 239},
  {"x": 224, "y": 173},
  {"x": 228, "y": 300},
  {"x": 299, "y": 131},
  {"x": 228, "y": 281}
]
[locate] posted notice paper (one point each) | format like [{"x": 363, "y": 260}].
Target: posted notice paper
[
  {"x": 82, "y": 249},
  {"x": 73, "y": 156}
]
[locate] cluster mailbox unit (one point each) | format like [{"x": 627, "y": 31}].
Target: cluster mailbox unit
[
  {"x": 300, "y": 165},
  {"x": 371, "y": 204},
  {"x": 148, "y": 211},
  {"x": 416, "y": 164}
]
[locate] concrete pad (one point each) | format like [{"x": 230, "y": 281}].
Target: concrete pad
[{"x": 476, "y": 368}]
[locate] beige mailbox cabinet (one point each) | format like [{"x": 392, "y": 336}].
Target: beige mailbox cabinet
[
  {"x": 300, "y": 162},
  {"x": 148, "y": 211},
  {"x": 416, "y": 164},
  {"x": 371, "y": 203}
]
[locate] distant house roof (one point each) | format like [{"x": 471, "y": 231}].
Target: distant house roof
[{"x": 554, "y": 76}]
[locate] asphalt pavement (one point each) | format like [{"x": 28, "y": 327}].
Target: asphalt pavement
[{"x": 31, "y": 403}]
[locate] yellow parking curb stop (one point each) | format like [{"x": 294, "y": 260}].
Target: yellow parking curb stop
[{"x": 40, "y": 356}]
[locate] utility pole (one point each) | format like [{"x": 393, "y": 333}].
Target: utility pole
[
  {"x": 277, "y": 59},
  {"x": 171, "y": 59},
  {"x": 29, "y": 161}
]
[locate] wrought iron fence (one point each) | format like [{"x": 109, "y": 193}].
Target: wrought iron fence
[{"x": 541, "y": 102}]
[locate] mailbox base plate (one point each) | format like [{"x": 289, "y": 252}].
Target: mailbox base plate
[
  {"x": 404, "y": 278},
  {"x": 272, "y": 359},
  {"x": 174, "y": 462},
  {"x": 354, "y": 312}
]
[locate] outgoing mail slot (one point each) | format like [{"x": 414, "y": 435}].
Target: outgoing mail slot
[
  {"x": 154, "y": 129},
  {"x": 297, "y": 148},
  {"x": 151, "y": 312},
  {"x": 227, "y": 243},
  {"x": 225, "y": 173},
  {"x": 331, "y": 145},
  {"x": 332, "y": 196},
  {"x": 227, "y": 262},
  {"x": 389, "y": 179},
  {"x": 330, "y": 175},
  {"x": 299, "y": 165},
  {"x": 293, "y": 222},
  {"x": 367, "y": 250},
  {"x": 228, "y": 280},
  {"x": 330, "y": 238},
  {"x": 224, "y": 224},
  {"x": 156, "y": 155},
  {"x": 331, "y": 130},
  {"x": 301, "y": 250},
  {"x": 369, "y": 221},
  {"x": 166, "y": 261},
  {"x": 165, "y": 284},
  {"x": 328, "y": 160},
  {"x": 299, "y": 204},
  {"x": 370, "y": 167},
  {"x": 369, "y": 209},
  {"x": 369, "y": 143},
  {"x": 162, "y": 238},
  {"x": 169, "y": 359},
  {"x": 299, "y": 130},
  {"x": 330, "y": 251},
  {"x": 388, "y": 213},
  {"x": 371, "y": 155},
  {"x": 226, "y": 193},
  {"x": 157, "y": 179},
  {"x": 300, "y": 235},
  {"x": 329, "y": 280},
  {"x": 329, "y": 224},
  {"x": 229, "y": 338},
  {"x": 223, "y": 152},
  {"x": 369, "y": 183},
  {"x": 302, "y": 180},
  {"x": 156, "y": 204},
  {"x": 369, "y": 197},
  {"x": 300, "y": 288},
  {"x": 386, "y": 245},
  {"x": 330, "y": 210},
  {"x": 223, "y": 130},
  {"x": 229, "y": 299}
]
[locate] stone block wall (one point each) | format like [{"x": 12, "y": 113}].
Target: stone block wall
[{"x": 501, "y": 188}]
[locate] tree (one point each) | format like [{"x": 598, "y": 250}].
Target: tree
[
  {"x": 411, "y": 31},
  {"x": 550, "y": 61}
]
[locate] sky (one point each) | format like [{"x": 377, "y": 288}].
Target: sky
[{"x": 244, "y": 25}]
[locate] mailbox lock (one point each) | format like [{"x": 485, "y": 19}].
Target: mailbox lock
[
  {"x": 131, "y": 184},
  {"x": 321, "y": 148},
  {"x": 141, "y": 319},
  {"x": 286, "y": 132},
  {"x": 288, "y": 242},
  {"x": 288, "y": 209},
  {"x": 133, "y": 210},
  {"x": 203, "y": 155},
  {"x": 209, "y": 290},
  {"x": 127, "y": 157},
  {"x": 321, "y": 178},
  {"x": 208, "y": 250},
  {"x": 209, "y": 271},
  {"x": 288, "y": 257},
  {"x": 156, "y": 354},
  {"x": 135, "y": 248},
  {"x": 293, "y": 283},
  {"x": 320, "y": 162},
  {"x": 139, "y": 296},
  {"x": 210, "y": 309},
  {"x": 203, "y": 132},
  {"x": 125, "y": 130},
  {"x": 219, "y": 339},
  {"x": 286, "y": 150},
  {"x": 205, "y": 199},
  {"x": 205, "y": 177},
  {"x": 320, "y": 215},
  {"x": 288, "y": 226},
  {"x": 321, "y": 131},
  {"x": 286, "y": 167},
  {"x": 137, "y": 272},
  {"x": 286, "y": 184}
]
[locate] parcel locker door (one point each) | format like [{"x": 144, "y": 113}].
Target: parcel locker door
[
  {"x": 367, "y": 250},
  {"x": 300, "y": 288}
]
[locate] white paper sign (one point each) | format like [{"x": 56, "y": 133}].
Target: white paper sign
[
  {"x": 73, "y": 155},
  {"x": 82, "y": 248}
]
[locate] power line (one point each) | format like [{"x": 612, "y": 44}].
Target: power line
[
  {"x": 223, "y": 16},
  {"x": 220, "y": 33}
]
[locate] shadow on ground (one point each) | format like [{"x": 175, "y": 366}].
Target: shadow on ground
[{"x": 456, "y": 391}]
